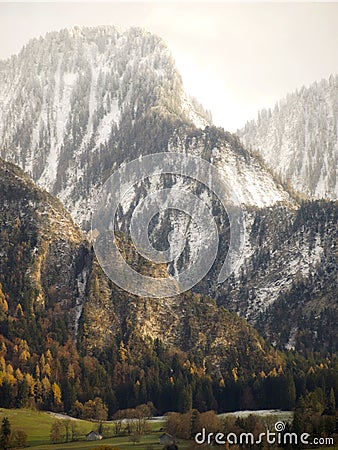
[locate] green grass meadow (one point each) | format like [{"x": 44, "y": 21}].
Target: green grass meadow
[
  {"x": 150, "y": 441},
  {"x": 37, "y": 425}
]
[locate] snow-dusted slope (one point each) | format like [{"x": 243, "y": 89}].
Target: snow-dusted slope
[
  {"x": 77, "y": 103},
  {"x": 66, "y": 99},
  {"x": 299, "y": 138},
  {"x": 253, "y": 184}
]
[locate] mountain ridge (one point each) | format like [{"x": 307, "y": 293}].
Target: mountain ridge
[{"x": 298, "y": 138}]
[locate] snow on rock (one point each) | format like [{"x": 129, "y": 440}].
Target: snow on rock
[
  {"x": 299, "y": 139},
  {"x": 68, "y": 99}
]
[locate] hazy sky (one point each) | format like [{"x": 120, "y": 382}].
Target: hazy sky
[{"x": 236, "y": 58}]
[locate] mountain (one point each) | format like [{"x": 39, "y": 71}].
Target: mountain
[
  {"x": 299, "y": 140},
  {"x": 67, "y": 332},
  {"x": 76, "y": 104},
  {"x": 72, "y": 102},
  {"x": 292, "y": 270},
  {"x": 287, "y": 284}
]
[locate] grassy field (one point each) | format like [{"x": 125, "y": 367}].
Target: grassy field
[
  {"x": 37, "y": 425},
  {"x": 150, "y": 441}
]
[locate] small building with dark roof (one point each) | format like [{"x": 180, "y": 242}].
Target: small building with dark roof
[
  {"x": 93, "y": 436},
  {"x": 167, "y": 439}
]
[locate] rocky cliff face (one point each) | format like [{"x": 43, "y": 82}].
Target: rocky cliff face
[
  {"x": 299, "y": 140},
  {"x": 42, "y": 251}
]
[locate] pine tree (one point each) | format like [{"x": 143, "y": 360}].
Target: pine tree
[
  {"x": 331, "y": 407},
  {"x": 5, "y": 434}
]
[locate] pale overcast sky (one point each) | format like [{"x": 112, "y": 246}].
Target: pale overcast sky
[{"x": 236, "y": 58}]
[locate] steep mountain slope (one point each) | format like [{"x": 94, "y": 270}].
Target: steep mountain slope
[
  {"x": 67, "y": 332},
  {"x": 287, "y": 284},
  {"x": 41, "y": 250},
  {"x": 299, "y": 139}
]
